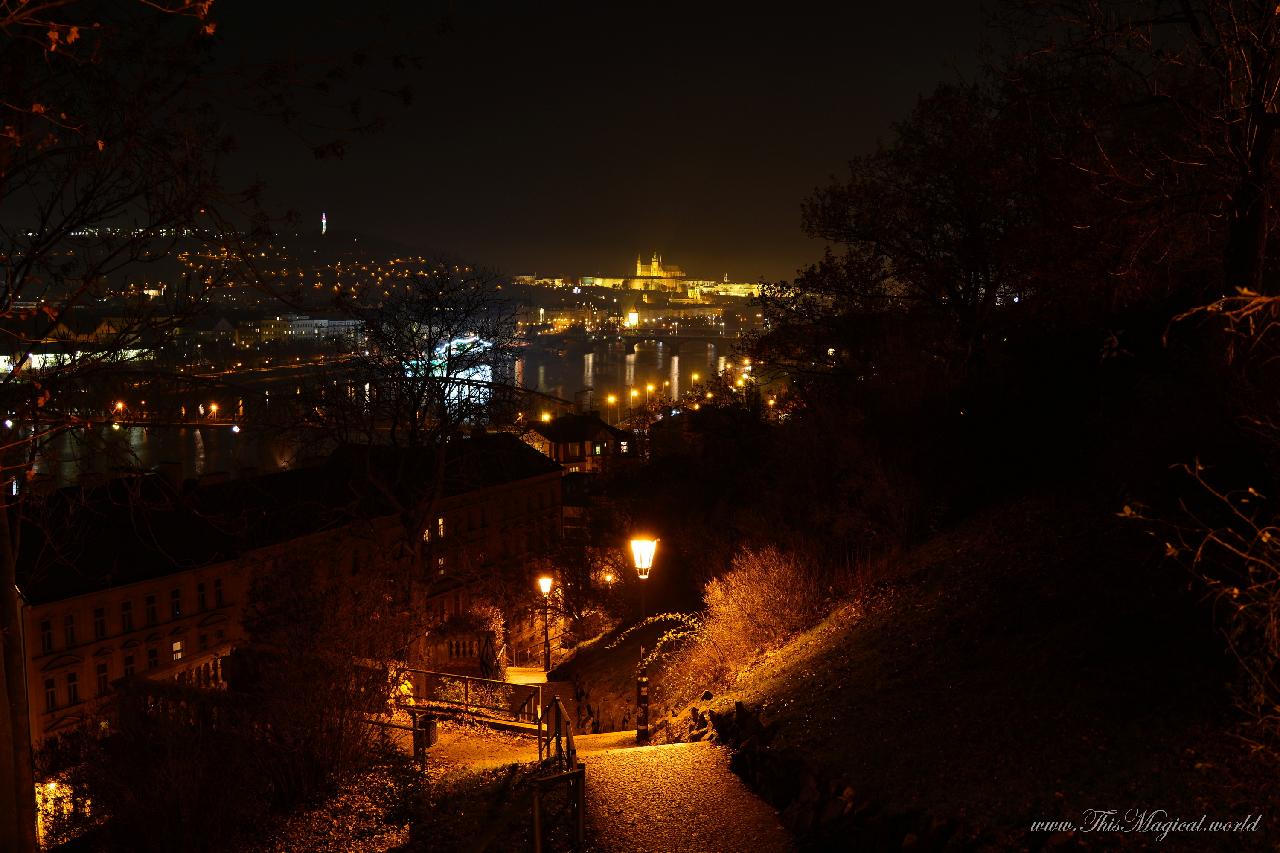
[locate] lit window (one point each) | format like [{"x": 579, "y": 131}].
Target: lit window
[
  {"x": 177, "y": 650},
  {"x": 440, "y": 526},
  {"x": 622, "y": 446}
]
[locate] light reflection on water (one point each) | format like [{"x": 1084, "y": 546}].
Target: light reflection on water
[
  {"x": 189, "y": 452},
  {"x": 585, "y": 378},
  {"x": 588, "y": 378}
]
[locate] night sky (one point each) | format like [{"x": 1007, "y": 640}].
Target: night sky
[{"x": 566, "y": 137}]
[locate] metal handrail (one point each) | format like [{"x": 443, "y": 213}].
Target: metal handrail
[
  {"x": 525, "y": 710},
  {"x": 566, "y": 769}
]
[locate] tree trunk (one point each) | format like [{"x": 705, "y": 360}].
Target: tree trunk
[
  {"x": 17, "y": 784},
  {"x": 1246, "y": 249}
]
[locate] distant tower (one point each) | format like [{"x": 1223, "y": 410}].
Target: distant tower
[{"x": 324, "y": 222}]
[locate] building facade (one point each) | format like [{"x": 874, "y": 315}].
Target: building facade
[{"x": 142, "y": 580}]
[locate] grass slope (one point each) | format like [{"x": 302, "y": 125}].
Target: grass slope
[{"x": 1035, "y": 662}]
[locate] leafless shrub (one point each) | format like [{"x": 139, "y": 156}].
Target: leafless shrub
[
  {"x": 765, "y": 599},
  {"x": 1233, "y": 548}
]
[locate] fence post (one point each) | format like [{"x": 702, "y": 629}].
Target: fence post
[
  {"x": 537, "y": 818},
  {"x": 642, "y": 706},
  {"x": 582, "y": 804}
]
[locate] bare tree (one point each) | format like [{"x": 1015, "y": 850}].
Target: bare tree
[{"x": 1181, "y": 100}]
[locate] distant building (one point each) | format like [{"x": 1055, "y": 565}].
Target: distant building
[
  {"x": 656, "y": 275},
  {"x": 582, "y": 443},
  {"x": 654, "y": 268}
]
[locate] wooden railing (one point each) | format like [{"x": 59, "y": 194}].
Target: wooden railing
[
  {"x": 519, "y": 702},
  {"x": 558, "y": 758}
]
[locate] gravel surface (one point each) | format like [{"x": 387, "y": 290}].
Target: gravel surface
[{"x": 674, "y": 798}]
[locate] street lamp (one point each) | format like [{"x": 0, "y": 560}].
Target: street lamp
[
  {"x": 642, "y": 551},
  {"x": 613, "y": 401},
  {"x": 544, "y": 584}
]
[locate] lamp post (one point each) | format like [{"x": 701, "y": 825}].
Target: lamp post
[
  {"x": 544, "y": 583},
  {"x": 642, "y": 551}
]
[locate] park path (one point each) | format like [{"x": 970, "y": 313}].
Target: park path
[
  {"x": 667, "y": 798},
  {"x": 672, "y": 798}
]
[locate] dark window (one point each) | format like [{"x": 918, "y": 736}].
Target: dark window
[
  {"x": 50, "y": 694},
  {"x": 128, "y": 665},
  {"x": 99, "y": 622},
  {"x": 175, "y": 603},
  {"x": 126, "y": 616},
  {"x": 200, "y": 602},
  {"x": 104, "y": 683},
  {"x": 150, "y": 603},
  {"x": 69, "y": 629},
  {"x": 217, "y": 592},
  {"x": 46, "y": 636},
  {"x": 73, "y": 688},
  {"x": 204, "y": 642},
  {"x": 153, "y": 659}
]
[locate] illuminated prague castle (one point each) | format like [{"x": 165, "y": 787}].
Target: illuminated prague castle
[
  {"x": 656, "y": 269},
  {"x": 656, "y": 275}
]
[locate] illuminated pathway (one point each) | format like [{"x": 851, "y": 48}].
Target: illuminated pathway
[{"x": 672, "y": 798}]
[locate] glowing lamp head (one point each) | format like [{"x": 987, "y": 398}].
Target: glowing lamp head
[
  {"x": 213, "y": 407},
  {"x": 544, "y": 584},
  {"x": 649, "y": 387},
  {"x": 612, "y": 399},
  {"x": 634, "y": 393},
  {"x": 119, "y": 405},
  {"x": 642, "y": 551},
  {"x": 608, "y": 577},
  {"x": 546, "y": 417}
]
